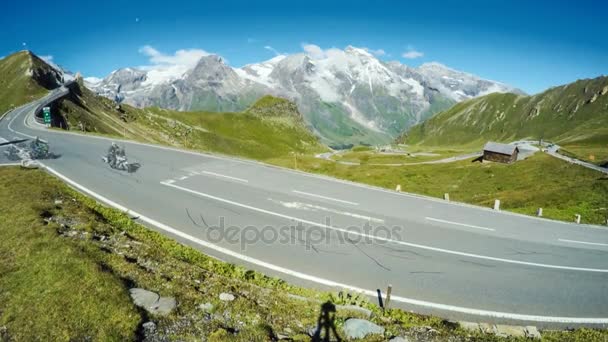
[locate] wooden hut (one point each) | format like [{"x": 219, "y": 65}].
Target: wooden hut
[{"x": 502, "y": 153}]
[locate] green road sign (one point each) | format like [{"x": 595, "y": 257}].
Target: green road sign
[{"x": 46, "y": 111}]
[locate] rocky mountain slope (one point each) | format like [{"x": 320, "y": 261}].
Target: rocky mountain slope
[
  {"x": 572, "y": 114},
  {"x": 347, "y": 96},
  {"x": 24, "y": 77},
  {"x": 270, "y": 128}
]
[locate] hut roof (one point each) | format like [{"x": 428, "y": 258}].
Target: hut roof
[{"x": 500, "y": 148}]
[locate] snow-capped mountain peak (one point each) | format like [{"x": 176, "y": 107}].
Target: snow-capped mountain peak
[{"x": 341, "y": 93}]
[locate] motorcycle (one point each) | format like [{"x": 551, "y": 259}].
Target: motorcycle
[
  {"x": 117, "y": 159},
  {"x": 37, "y": 149}
]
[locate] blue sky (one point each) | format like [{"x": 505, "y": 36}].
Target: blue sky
[{"x": 528, "y": 44}]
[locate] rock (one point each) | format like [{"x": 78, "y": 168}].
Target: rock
[
  {"x": 592, "y": 99},
  {"x": 152, "y": 302},
  {"x": 58, "y": 202},
  {"x": 359, "y": 328},
  {"x": 532, "y": 332},
  {"x": 282, "y": 337},
  {"x": 509, "y": 330},
  {"x": 311, "y": 331},
  {"x": 149, "y": 328},
  {"x": 227, "y": 297},
  {"x": 366, "y": 312},
  {"x": 486, "y": 328},
  {"x": 399, "y": 339},
  {"x": 207, "y": 307},
  {"x": 470, "y": 326},
  {"x": 151, "y": 333}
]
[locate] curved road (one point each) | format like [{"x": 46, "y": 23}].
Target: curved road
[{"x": 454, "y": 260}]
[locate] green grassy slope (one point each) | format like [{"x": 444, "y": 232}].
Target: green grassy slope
[
  {"x": 23, "y": 78},
  {"x": 51, "y": 289},
  {"x": 574, "y": 114},
  {"x": 271, "y": 127}
]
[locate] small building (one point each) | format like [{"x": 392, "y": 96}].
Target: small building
[{"x": 502, "y": 153}]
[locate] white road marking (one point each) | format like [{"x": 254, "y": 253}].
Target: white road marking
[
  {"x": 459, "y": 224},
  {"x": 409, "y": 244},
  {"x": 224, "y": 176},
  {"x": 169, "y": 181},
  {"x": 584, "y": 242},
  {"x": 306, "y": 206},
  {"x": 183, "y": 177},
  {"x": 331, "y": 283},
  {"x": 324, "y": 197}
]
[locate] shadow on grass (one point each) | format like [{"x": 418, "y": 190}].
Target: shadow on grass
[{"x": 326, "y": 324}]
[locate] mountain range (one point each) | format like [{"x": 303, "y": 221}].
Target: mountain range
[
  {"x": 575, "y": 114},
  {"x": 346, "y": 96}
]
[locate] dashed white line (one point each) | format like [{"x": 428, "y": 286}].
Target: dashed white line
[
  {"x": 459, "y": 224},
  {"x": 324, "y": 197},
  {"x": 585, "y": 242},
  {"x": 306, "y": 206},
  {"x": 379, "y": 238},
  {"x": 183, "y": 177},
  {"x": 224, "y": 176}
]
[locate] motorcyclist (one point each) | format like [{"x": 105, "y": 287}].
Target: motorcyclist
[
  {"x": 112, "y": 154},
  {"x": 39, "y": 149}
]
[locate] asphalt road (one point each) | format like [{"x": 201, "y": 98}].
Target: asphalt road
[{"x": 458, "y": 261}]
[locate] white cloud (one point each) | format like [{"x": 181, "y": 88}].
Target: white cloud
[
  {"x": 273, "y": 50},
  {"x": 412, "y": 53},
  {"x": 47, "y": 58},
  {"x": 93, "y": 80},
  {"x": 180, "y": 57},
  {"x": 314, "y": 51},
  {"x": 377, "y": 53},
  {"x": 165, "y": 67}
]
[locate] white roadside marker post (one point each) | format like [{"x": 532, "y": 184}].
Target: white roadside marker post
[
  {"x": 539, "y": 212},
  {"x": 496, "y": 204},
  {"x": 388, "y": 296},
  {"x": 398, "y": 188},
  {"x": 577, "y": 218},
  {"x": 446, "y": 197}
]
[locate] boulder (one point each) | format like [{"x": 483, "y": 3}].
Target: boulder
[
  {"x": 152, "y": 302},
  {"x": 532, "y": 332},
  {"x": 399, "y": 339},
  {"x": 359, "y": 328},
  {"x": 227, "y": 297}
]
